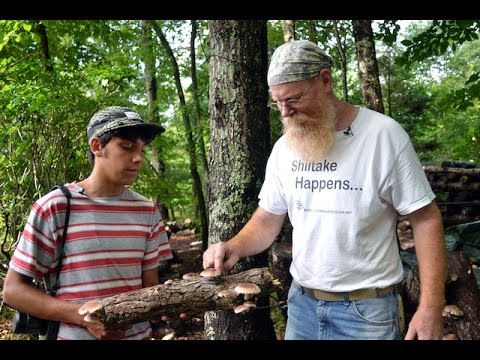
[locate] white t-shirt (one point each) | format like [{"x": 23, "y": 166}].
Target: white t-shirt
[{"x": 344, "y": 208}]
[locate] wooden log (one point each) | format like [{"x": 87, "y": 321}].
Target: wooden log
[
  {"x": 454, "y": 170},
  {"x": 473, "y": 187},
  {"x": 183, "y": 296},
  {"x": 456, "y": 219},
  {"x": 461, "y": 291}
]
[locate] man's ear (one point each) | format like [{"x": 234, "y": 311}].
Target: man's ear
[
  {"x": 95, "y": 146},
  {"x": 326, "y": 78}
]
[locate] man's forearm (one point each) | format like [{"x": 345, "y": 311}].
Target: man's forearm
[
  {"x": 257, "y": 235},
  {"x": 432, "y": 257}
]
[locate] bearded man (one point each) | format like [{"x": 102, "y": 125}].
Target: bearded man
[{"x": 342, "y": 173}]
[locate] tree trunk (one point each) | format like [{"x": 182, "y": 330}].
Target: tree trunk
[
  {"x": 288, "y": 27},
  {"x": 367, "y": 64},
  {"x": 151, "y": 91},
  {"x": 197, "y": 182},
  {"x": 343, "y": 59},
  {"x": 199, "y": 127},
  {"x": 240, "y": 144},
  {"x": 41, "y": 31},
  {"x": 312, "y": 31}
]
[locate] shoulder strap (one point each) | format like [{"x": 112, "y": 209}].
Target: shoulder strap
[
  {"x": 64, "y": 189},
  {"x": 68, "y": 195}
]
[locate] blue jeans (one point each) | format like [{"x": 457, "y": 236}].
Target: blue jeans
[{"x": 370, "y": 319}]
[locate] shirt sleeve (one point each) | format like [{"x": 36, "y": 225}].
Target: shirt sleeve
[
  {"x": 34, "y": 254},
  {"x": 272, "y": 196},
  {"x": 158, "y": 245},
  {"x": 410, "y": 189}
]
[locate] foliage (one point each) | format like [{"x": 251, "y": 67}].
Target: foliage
[
  {"x": 439, "y": 37},
  {"x": 388, "y": 32},
  {"x": 446, "y": 37},
  {"x": 45, "y": 108},
  {"x": 458, "y": 124},
  {"x": 425, "y": 95},
  {"x": 39, "y": 124},
  {"x": 430, "y": 83}
]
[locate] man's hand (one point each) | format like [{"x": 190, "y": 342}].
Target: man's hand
[
  {"x": 219, "y": 256},
  {"x": 426, "y": 324}
]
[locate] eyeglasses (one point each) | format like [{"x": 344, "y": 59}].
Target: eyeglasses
[{"x": 291, "y": 103}]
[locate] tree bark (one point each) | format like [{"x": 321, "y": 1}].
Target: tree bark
[
  {"x": 367, "y": 64},
  {"x": 41, "y": 31},
  {"x": 343, "y": 59},
  {"x": 152, "y": 97},
  {"x": 240, "y": 144},
  {"x": 288, "y": 27},
  {"x": 312, "y": 31},
  {"x": 183, "y": 296},
  {"x": 475, "y": 172},
  {"x": 199, "y": 127}
]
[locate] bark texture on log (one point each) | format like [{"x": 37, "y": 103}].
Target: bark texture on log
[
  {"x": 242, "y": 322},
  {"x": 184, "y": 296},
  {"x": 460, "y": 171},
  {"x": 461, "y": 291}
]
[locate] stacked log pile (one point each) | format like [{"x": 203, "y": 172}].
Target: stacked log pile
[{"x": 457, "y": 191}]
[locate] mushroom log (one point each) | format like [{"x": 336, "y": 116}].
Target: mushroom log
[{"x": 205, "y": 293}]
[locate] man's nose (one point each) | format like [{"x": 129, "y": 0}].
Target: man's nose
[{"x": 286, "y": 110}]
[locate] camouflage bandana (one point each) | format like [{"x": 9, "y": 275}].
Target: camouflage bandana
[
  {"x": 116, "y": 117},
  {"x": 295, "y": 61}
]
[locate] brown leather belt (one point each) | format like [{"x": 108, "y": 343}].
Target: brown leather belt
[{"x": 359, "y": 294}]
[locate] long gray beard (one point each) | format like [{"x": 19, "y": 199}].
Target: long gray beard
[{"x": 311, "y": 138}]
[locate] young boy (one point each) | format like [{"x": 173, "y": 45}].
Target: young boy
[{"x": 115, "y": 237}]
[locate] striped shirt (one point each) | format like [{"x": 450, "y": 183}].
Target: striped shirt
[{"x": 110, "y": 242}]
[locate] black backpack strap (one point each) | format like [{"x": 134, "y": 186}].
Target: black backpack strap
[
  {"x": 64, "y": 189},
  {"x": 68, "y": 195}
]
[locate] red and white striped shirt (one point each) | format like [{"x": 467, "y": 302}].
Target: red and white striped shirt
[{"x": 110, "y": 242}]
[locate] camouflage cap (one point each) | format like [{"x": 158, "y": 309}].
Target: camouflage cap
[
  {"x": 117, "y": 117},
  {"x": 297, "y": 60}
]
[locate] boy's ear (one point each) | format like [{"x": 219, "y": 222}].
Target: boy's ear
[{"x": 95, "y": 146}]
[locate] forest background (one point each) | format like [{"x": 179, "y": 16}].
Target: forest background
[{"x": 54, "y": 74}]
